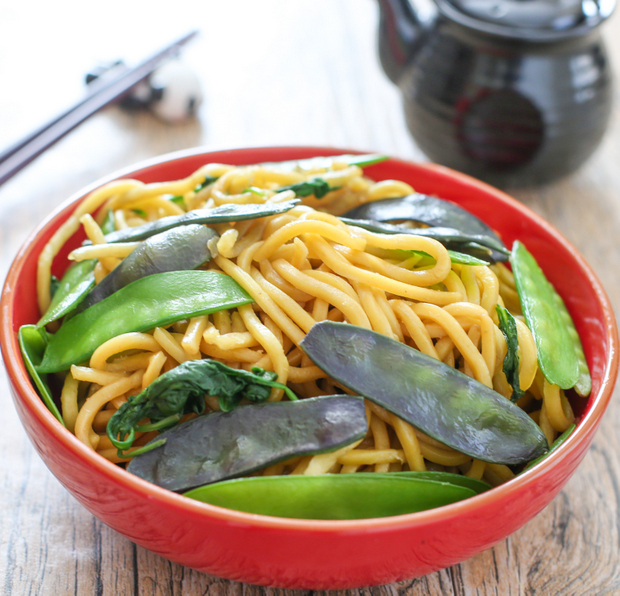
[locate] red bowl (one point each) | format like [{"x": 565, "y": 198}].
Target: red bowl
[{"x": 310, "y": 554}]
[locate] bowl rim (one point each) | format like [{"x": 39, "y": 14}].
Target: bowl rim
[{"x": 29, "y": 398}]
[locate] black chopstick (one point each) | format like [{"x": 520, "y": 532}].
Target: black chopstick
[{"x": 19, "y": 155}]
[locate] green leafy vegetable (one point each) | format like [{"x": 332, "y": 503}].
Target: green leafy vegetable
[
  {"x": 510, "y": 365},
  {"x": 32, "y": 343},
  {"x": 156, "y": 300},
  {"x": 331, "y": 496},
  {"x": 179, "y": 200},
  {"x": 223, "y": 445},
  {"x": 182, "y": 390},
  {"x": 439, "y": 400},
  {"x": 560, "y": 353},
  {"x": 176, "y": 249},
  {"x": 317, "y": 187},
  {"x": 221, "y": 214}
]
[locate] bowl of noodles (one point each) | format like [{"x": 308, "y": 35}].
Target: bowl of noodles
[{"x": 294, "y": 351}]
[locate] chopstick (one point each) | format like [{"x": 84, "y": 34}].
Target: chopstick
[{"x": 105, "y": 91}]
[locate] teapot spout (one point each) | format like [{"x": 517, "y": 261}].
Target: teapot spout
[{"x": 400, "y": 35}]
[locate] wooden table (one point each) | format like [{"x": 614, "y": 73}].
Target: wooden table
[{"x": 274, "y": 73}]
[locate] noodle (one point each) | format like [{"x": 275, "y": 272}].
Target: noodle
[{"x": 302, "y": 267}]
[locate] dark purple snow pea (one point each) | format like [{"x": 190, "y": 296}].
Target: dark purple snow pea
[
  {"x": 223, "y": 445},
  {"x": 424, "y": 209},
  {"x": 177, "y": 249},
  {"x": 437, "y": 399},
  {"x": 476, "y": 245}
]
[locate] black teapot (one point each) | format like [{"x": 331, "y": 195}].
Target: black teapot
[{"x": 515, "y": 92}]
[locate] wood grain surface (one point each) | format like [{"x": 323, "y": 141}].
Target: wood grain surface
[{"x": 303, "y": 72}]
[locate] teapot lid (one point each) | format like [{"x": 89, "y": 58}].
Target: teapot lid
[{"x": 533, "y": 20}]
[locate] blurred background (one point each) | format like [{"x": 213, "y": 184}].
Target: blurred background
[{"x": 272, "y": 72}]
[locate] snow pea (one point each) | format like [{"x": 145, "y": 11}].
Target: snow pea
[
  {"x": 435, "y": 398},
  {"x": 76, "y": 283},
  {"x": 560, "y": 353},
  {"x": 482, "y": 247},
  {"x": 32, "y": 343},
  {"x": 223, "y": 445},
  {"x": 177, "y": 249},
  {"x": 478, "y": 486},
  {"x": 153, "y": 301},
  {"x": 331, "y": 496},
  {"x": 221, "y": 214},
  {"x": 424, "y": 209}
]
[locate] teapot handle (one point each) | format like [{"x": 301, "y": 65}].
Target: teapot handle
[{"x": 401, "y": 31}]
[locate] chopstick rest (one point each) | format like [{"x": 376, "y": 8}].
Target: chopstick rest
[{"x": 172, "y": 92}]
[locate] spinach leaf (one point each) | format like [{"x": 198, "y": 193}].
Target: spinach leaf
[
  {"x": 179, "y": 200},
  {"x": 182, "y": 390},
  {"x": 317, "y": 187},
  {"x": 510, "y": 365}
]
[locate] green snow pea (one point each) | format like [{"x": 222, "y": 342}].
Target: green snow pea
[
  {"x": 177, "y": 249},
  {"x": 153, "y": 301},
  {"x": 76, "y": 283},
  {"x": 560, "y": 353},
  {"x": 478, "y": 486},
  {"x": 331, "y": 496},
  {"x": 221, "y": 214},
  {"x": 32, "y": 343},
  {"x": 435, "y": 398},
  {"x": 223, "y": 445}
]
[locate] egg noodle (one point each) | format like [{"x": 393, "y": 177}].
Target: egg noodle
[{"x": 302, "y": 267}]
